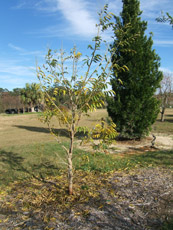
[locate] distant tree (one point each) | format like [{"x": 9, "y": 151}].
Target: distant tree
[
  {"x": 16, "y": 91},
  {"x": 3, "y": 90},
  {"x": 165, "y": 93},
  {"x": 134, "y": 108},
  {"x": 165, "y": 18},
  {"x": 1, "y": 105},
  {"x": 16, "y": 94},
  {"x": 10, "y": 101},
  {"x": 31, "y": 95}
]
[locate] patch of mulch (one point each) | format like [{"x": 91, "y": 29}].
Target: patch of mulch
[{"x": 135, "y": 200}]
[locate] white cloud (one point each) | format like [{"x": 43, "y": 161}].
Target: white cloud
[
  {"x": 24, "y": 52},
  {"x": 18, "y": 70},
  {"x": 13, "y": 75},
  {"x": 151, "y": 8},
  {"x": 163, "y": 42},
  {"x": 16, "y": 47},
  {"x": 166, "y": 70},
  {"x": 76, "y": 15},
  {"x": 79, "y": 17},
  {"x": 14, "y": 81},
  {"x": 12, "y": 68}
]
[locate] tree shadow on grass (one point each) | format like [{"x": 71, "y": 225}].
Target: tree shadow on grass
[
  {"x": 163, "y": 158},
  {"x": 13, "y": 168},
  {"x": 169, "y": 120},
  {"x": 58, "y": 132},
  {"x": 169, "y": 115}
]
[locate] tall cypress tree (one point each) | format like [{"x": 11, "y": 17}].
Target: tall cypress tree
[{"x": 134, "y": 107}]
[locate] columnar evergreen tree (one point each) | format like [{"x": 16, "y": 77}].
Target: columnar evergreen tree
[{"x": 134, "y": 108}]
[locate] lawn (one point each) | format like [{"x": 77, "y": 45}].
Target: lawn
[
  {"x": 165, "y": 127},
  {"x": 28, "y": 160},
  {"x": 27, "y": 149}
]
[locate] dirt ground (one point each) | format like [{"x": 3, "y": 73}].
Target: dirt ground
[
  {"x": 162, "y": 142},
  {"x": 139, "y": 200}
]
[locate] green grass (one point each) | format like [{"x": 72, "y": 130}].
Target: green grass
[
  {"x": 105, "y": 163},
  {"x": 165, "y": 127},
  {"x": 168, "y": 225},
  {"x": 28, "y": 149},
  {"x": 19, "y": 163}
]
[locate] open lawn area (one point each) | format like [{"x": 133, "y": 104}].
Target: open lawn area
[
  {"x": 166, "y": 126},
  {"x": 129, "y": 189}
]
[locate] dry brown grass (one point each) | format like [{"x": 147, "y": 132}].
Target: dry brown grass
[
  {"x": 21, "y": 129},
  {"x": 27, "y": 129},
  {"x": 16, "y": 130}
]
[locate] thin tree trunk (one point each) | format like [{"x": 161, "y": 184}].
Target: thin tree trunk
[
  {"x": 32, "y": 109},
  {"x": 163, "y": 114},
  {"x": 70, "y": 164}
]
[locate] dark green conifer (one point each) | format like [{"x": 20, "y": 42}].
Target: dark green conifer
[{"x": 134, "y": 108}]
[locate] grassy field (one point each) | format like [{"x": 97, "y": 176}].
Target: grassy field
[
  {"x": 27, "y": 149},
  {"x": 28, "y": 157},
  {"x": 16, "y": 130},
  {"x": 19, "y": 130},
  {"x": 166, "y": 126}
]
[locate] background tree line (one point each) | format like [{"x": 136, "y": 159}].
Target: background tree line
[{"x": 20, "y": 99}]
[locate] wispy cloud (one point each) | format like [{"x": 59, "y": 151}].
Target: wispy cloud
[
  {"x": 24, "y": 52},
  {"x": 19, "y": 70},
  {"x": 16, "y": 47},
  {"x": 163, "y": 42},
  {"x": 78, "y": 18},
  {"x": 14, "y": 74},
  {"x": 14, "y": 81},
  {"x": 151, "y": 8}
]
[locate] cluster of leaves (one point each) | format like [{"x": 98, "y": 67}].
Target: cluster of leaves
[
  {"x": 104, "y": 133},
  {"x": 165, "y": 18}
]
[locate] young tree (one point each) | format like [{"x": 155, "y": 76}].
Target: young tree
[
  {"x": 85, "y": 91},
  {"x": 165, "y": 93},
  {"x": 133, "y": 108}
]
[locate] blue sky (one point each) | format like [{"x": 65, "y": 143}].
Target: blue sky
[{"x": 29, "y": 27}]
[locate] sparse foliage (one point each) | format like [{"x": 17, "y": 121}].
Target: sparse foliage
[
  {"x": 165, "y": 18},
  {"x": 85, "y": 91},
  {"x": 104, "y": 132}
]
